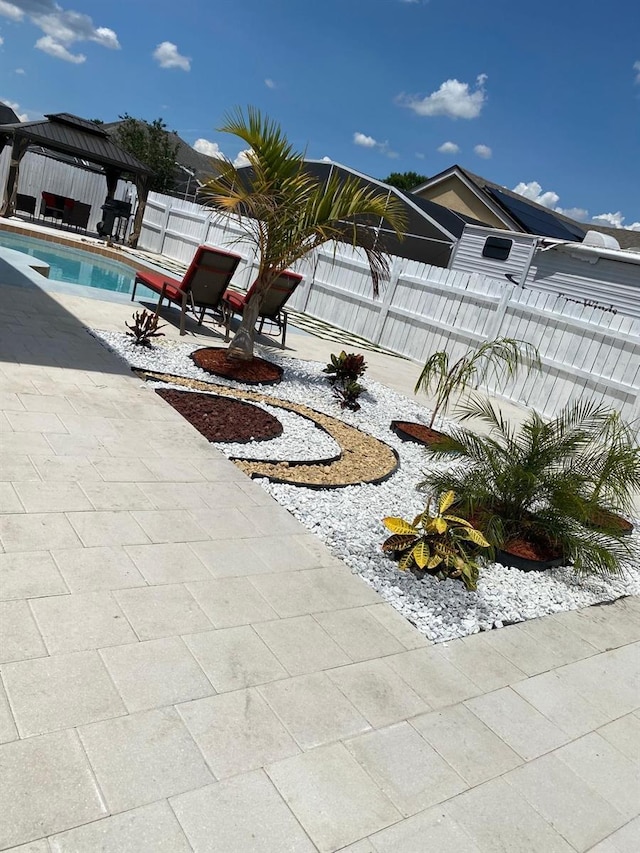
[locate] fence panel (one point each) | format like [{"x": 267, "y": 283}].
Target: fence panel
[{"x": 585, "y": 351}]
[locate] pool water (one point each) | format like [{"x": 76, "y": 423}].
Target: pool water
[{"x": 73, "y": 265}]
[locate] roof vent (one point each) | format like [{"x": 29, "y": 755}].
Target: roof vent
[{"x": 600, "y": 240}]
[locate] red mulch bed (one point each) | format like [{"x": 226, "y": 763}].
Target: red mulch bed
[
  {"x": 410, "y": 431},
  {"x": 255, "y": 372},
  {"x": 221, "y": 418}
]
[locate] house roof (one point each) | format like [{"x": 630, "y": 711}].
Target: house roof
[
  {"x": 505, "y": 202},
  {"x": 7, "y": 115},
  {"x": 186, "y": 156},
  {"x": 77, "y": 137},
  {"x": 431, "y": 229}
]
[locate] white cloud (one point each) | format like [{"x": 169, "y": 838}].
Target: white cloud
[
  {"x": 211, "y": 149},
  {"x": 242, "y": 159},
  {"x": 269, "y": 83},
  {"x": 167, "y": 56},
  {"x": 636, "y": 68},
  {"x": 19, "y": 71},
  {"x": 364, "y": 140},
  {"x": 580, "y": 214},
  {"x": 1, "y": 40},
  {"x": 369, "y": 142},
  {"x": 449, "y": 148},
  {"x": 326, "y": 159},
  {"x": 615, "y": 220},
  {"x": 10, "y": 10},
  {"x": 419, "y": 155},
  {"x": 453, "y": 99},
  {"x": 61, "y": 27},
  {"x": 483, "y": 151},
  {"x": 15, "y": 107},
  {"x": 532, "y": 190},
  {"x": 47, "y": 44}
]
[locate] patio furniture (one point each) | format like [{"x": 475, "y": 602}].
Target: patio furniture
[
  {"x": 26, "y": 203},
  {"x": 272, "y": 307},
  {"x": 55, "y": 206},
  {"x": 202, "y": 287},
  {"x": 77, "y": 216}
]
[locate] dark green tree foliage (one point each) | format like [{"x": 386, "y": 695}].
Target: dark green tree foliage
[
  {"x": 151, "y": 143},
  {"x": 405, "y": 180}
]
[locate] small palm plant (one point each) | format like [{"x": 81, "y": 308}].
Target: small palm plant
[
  {"x": 287, "y": 213},
  {"x": 499, "y": 359},
  {"x": 437, "y": 542},
  {"x": 613, "y": 472},
  {"x": 533, "y": 487}
]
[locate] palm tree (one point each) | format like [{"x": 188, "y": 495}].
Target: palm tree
[
  {"x": 538, "y": 482},
  {"x": 288, "y": 213}
]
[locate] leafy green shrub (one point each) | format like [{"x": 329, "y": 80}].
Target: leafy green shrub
[
  {"x": 537, "y": 484},
  {"x": 144, "y": 328},
  {"x": 345, "y": 367},
  {"x": 436, "y": 542},
  {"x": 347, "y": 394},
  {"x": 499, "y": 359}
]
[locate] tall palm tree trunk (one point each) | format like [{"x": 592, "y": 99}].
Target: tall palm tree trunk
[{"x": 241, "y": 347}]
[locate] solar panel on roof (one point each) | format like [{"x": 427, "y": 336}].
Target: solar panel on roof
[{"x": 535, "y": 220}]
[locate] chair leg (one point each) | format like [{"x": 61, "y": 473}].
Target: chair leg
[
  {"x": 133, "y": 292},
  {"x": 183, "y": 313},
  {"x": 226, "y": 314},
  {"x": 284, "y": 328},
  {"x": 202, "y": 313}
]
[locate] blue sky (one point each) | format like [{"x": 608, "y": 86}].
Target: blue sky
[{"x": 544, "y": 95}]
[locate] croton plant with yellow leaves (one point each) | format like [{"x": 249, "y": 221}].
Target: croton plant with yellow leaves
[{"x": 436, "y": 542}]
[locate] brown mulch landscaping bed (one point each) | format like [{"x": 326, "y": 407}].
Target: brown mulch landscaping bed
[
  {"x": 364, "y": 458},
  {"x": 222, "y": 419},
  {"x": 410, "y": 431},
  {"x": 258, "y": 371}
]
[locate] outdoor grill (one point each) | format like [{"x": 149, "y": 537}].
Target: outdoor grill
[{"x": 115, "y": 216}]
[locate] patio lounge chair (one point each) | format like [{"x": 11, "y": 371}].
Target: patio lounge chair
[
  {"x": 272, "y": 308},
  {"x": 203, "y": 285}
]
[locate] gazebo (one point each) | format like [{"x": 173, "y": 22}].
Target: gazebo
[{"x": 72, "y": 135}]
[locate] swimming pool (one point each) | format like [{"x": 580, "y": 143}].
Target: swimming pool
[{"x": 73, "y": 266}]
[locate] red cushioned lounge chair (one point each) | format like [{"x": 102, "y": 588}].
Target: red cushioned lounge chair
[
  {"x": 272, "y": 308},
  {"x": 202, "y": 287}
]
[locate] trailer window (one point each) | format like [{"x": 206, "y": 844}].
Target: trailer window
[{"x": 497, "y": 248}]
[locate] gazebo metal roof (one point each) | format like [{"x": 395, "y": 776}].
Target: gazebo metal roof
[{"x": 71, "y": 134}]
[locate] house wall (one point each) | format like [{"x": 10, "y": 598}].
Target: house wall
[
  {"x": 453, "y": 193},
  {"x": 586, "y": 352}
]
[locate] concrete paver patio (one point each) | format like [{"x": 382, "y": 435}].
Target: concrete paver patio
[{"x": 185, "y": 668}]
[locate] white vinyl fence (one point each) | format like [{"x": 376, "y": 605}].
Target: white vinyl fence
[{"x": 585, "y": 351}]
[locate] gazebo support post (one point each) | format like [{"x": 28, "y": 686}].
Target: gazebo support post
[{"x": 18, "y": 150}]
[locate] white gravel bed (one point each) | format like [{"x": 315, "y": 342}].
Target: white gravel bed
[
  {"x": 348, "y": 520},
  {"x": 301, "y": 441}
]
